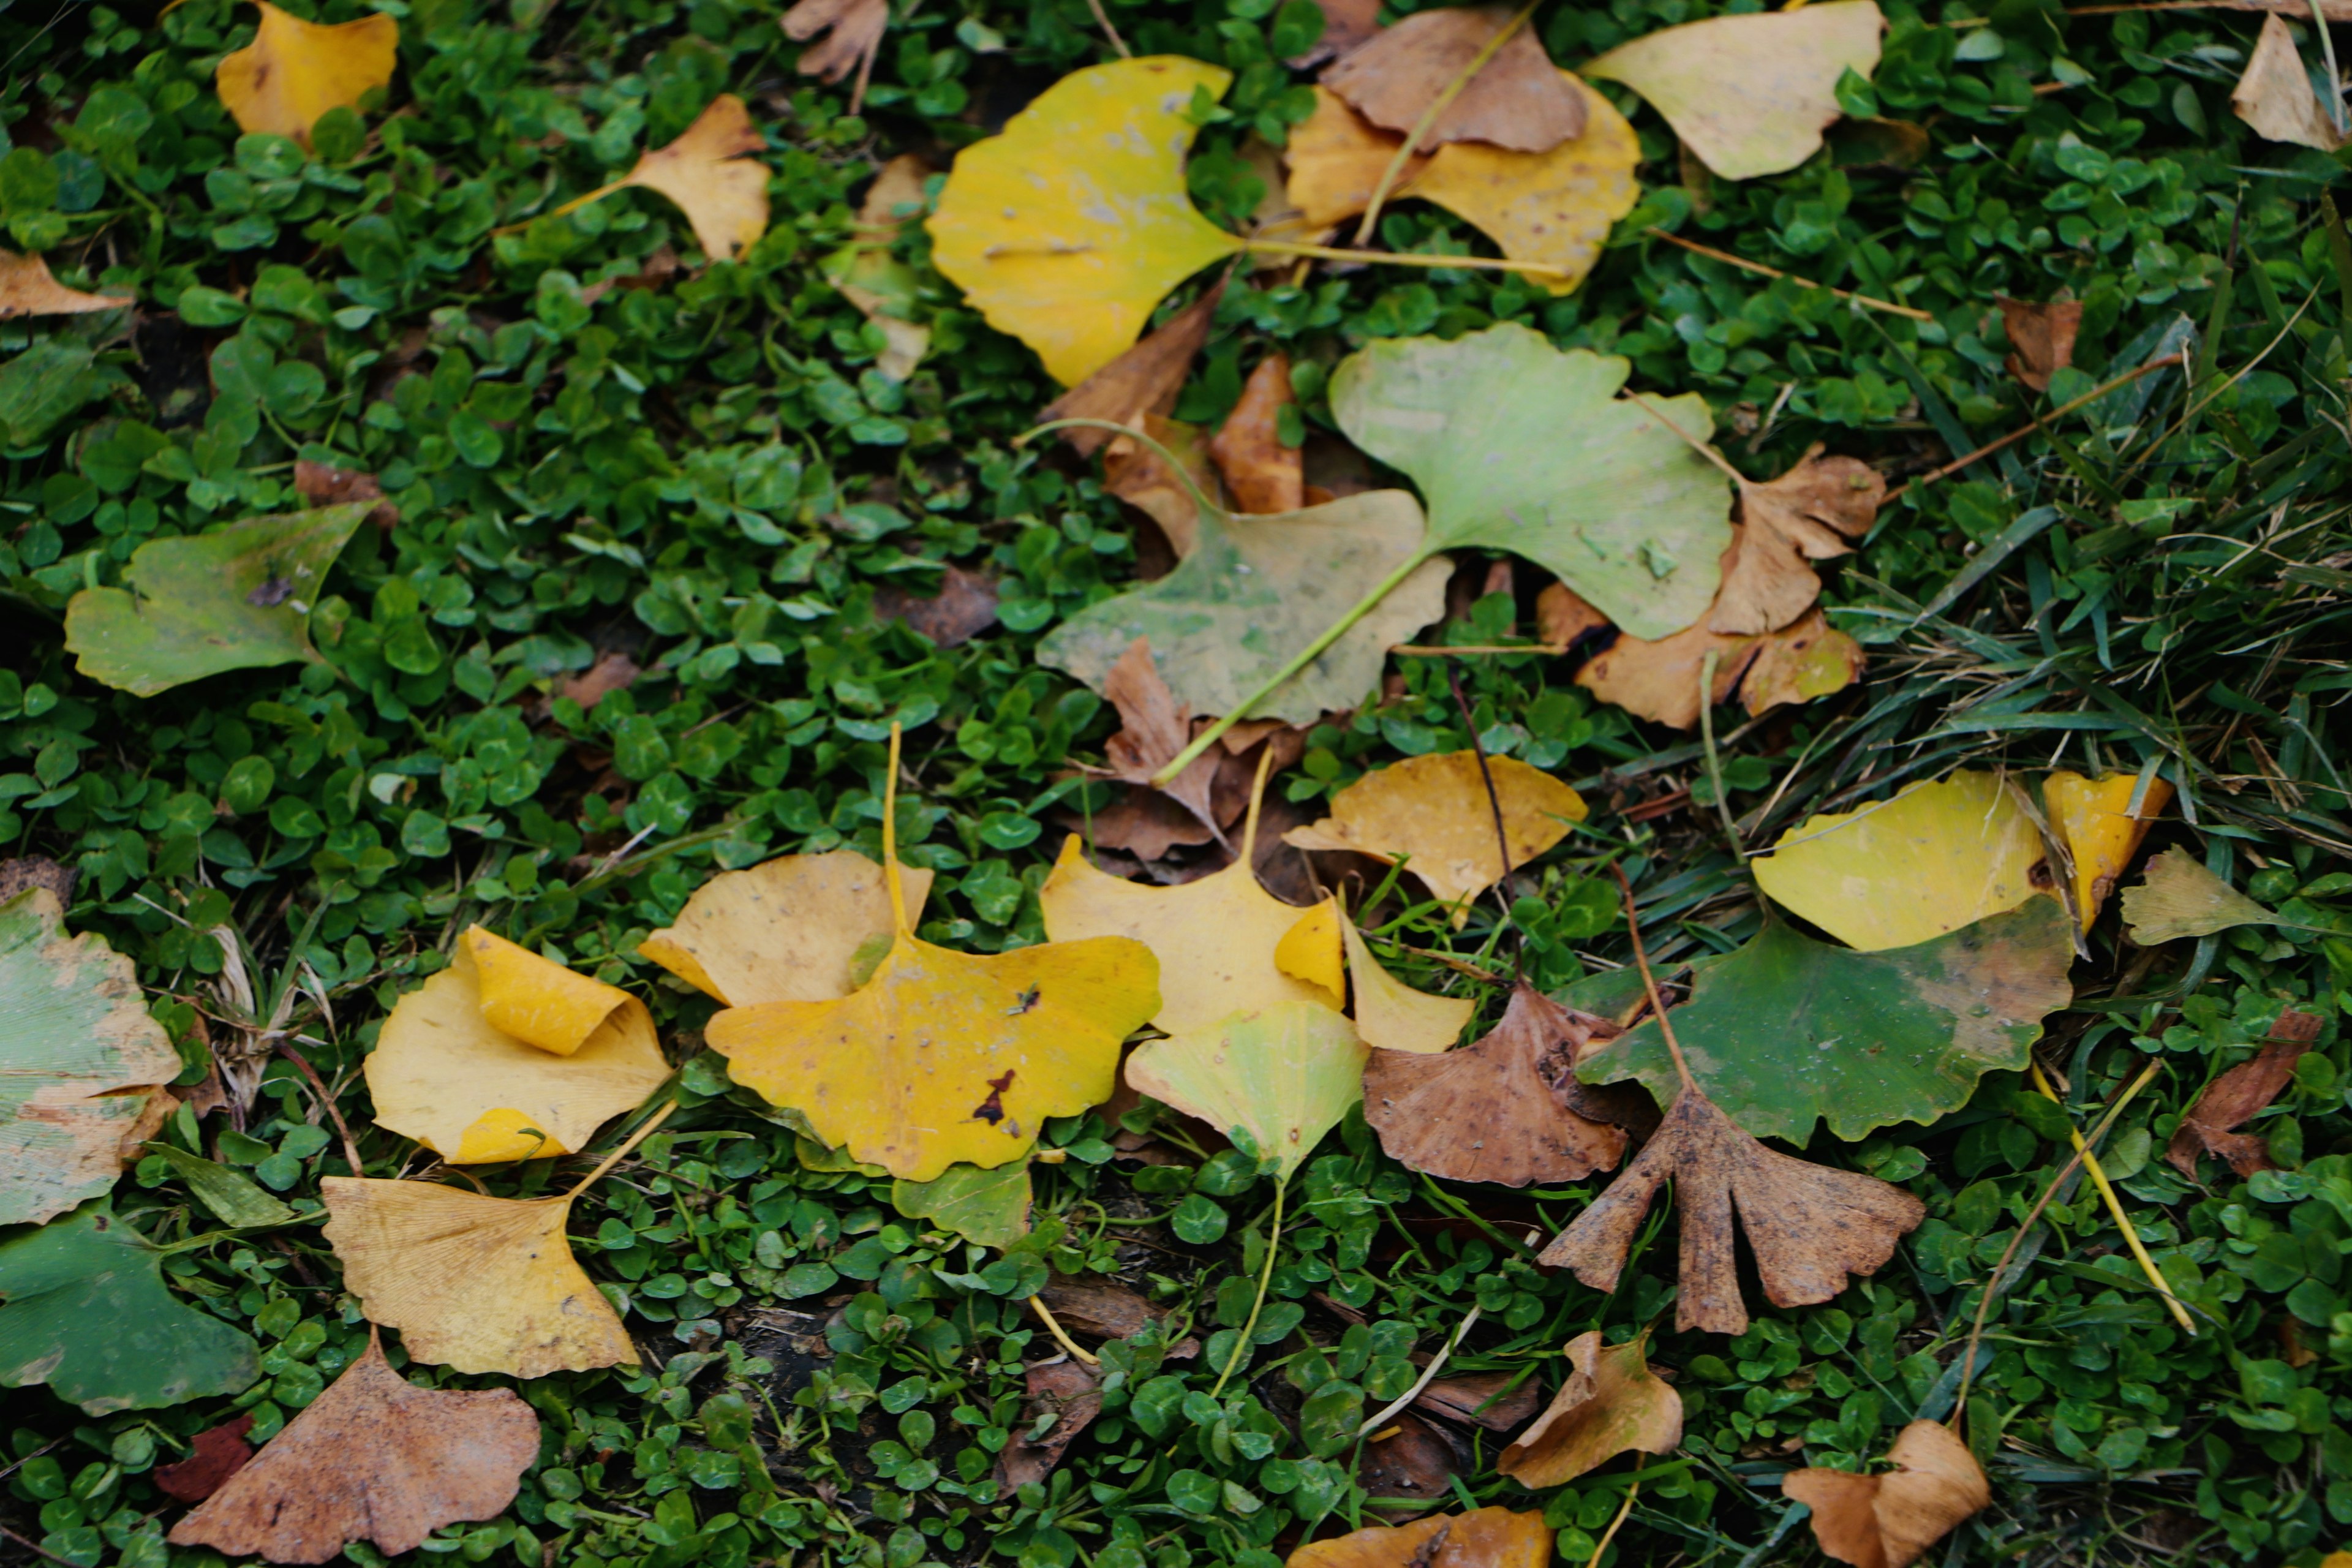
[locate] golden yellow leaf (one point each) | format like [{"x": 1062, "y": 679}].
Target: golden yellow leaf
[
  {"x": 1931, "y": 859},
  {"x": 1489, "y": 1538},
  {"x": 1750, "y": 95},
  {"x": 723, "y": 194},
  {"x": 1806, "y": 660},
  {"x": 1433, "y": 815},
  {"x": 1391, "y": 1014},
  {"x": 944, "y": 1057},
  {"x": 1067, "y": 227},
  {"x": 506, "y": 1056},
  {"x": 1216, "y": 939},
  {"x": 1285, "y": 1075},
  {"x": 788, "y": 929},
  {"x": 1553, "y": 208},
  {"x": 294, "y": 71},
  {"x": 1310, "y": 950},
  {"x": 2093, "y": 819},
  {"x": 28, "y": 289}
]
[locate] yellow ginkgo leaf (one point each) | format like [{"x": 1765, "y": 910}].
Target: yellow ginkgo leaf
[
  {"x": 1284, "y": 1075},
  {"x": 1750, "y": 95},
  {"x": 294, "y": 71},
  {"x": 946, "y": 1057},
  {"x": 1310, "y": 950},
  {"x": 2093, "y": 819},
  {"x": 723, "y": 194},
  {"x": 476, "y": 1283},
  {"x": 506, "y": 1056},
  {"x": 794, "y": 929},
  {"x": 1391, "y": 1014},
  {"x": 1070, "y": 224},
  {"x": 1433, "y": 815},
  {"x": 1931, "y": 859}
]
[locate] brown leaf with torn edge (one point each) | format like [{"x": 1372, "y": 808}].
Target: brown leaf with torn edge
[
  {"x": 214, "y": 1456},
  {"x": 28, "y": 289},
  {"x": 1610, "y": 1404},
  {"x": 1805, "y": 660},
  {"x": 1497, "y": 1401},
  {"x": 2275, "y": 95},
  {"x": 854, "y": 30},
  {"x": 1806, "y": 514},
  {"x": 1264, "y": 475},
  {"x": 375, "y": 1458},
  {"x": 1489, "y": 1538},
  {"x": 2041, "y": 338},
  {"x": 1067, "y": 1391},
  {"x": 2237, "y": 1096},
  {"x": 1489, "y": 1111},
  {"x": 1155, "y": 727},
  {"x": 1889, "y": 1521},
  {"x": 1659, "y": 681},
  {"x": 1144, "y": 380},
  {"x": 1517, "y": 100}
]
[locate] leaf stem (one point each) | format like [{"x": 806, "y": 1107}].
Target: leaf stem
[
  {"x": 1428, "y": 1373},
  {"x": 1987, "y": 450},
  {"x": 1712, "y": 254},
  {"x": 621, "y": 1154},
  {"x": 1062, "y": 1335},
  {"x": 1298, "y": 661},
  {"x": 1265, "y": 1275},
  {"x": 1128, "y": 432},
  {"x": 1618, "y": 1521},
  {"x": 1650, "y": 980},
  {"x": 1429, "y": 118},
  {"x": 2092, "y": 1168},
  {"x": 1402, "y": 258},
  {"x": 890, "y": 839}
]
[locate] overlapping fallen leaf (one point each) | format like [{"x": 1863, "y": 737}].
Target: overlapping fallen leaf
[
  {"x": 1390, "y": 1014},
  {"x": 1262, "y": 474},
  {"x": 1283, "y": 1074},
  {"x": 1889, "y": 1521},
  {"x": 800, "y": 928},
  {"x": 1516, "y": 99},
  {"x": 28, "y": 289},
  {"x": 1487, "y": 1538},
  {"x": 1432, "y": 816},
  {"x": 2096, "y": 822},
  {"x": 2275, "y": 94},
  {"x": 1807, "y": 514},
  {"x": 1610, "y": 1402}
]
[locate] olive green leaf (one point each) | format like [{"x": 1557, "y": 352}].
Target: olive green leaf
[
  {"x": 234, "y": 1199},
  {"x": 45, "y": 384},
  {"x": 1788, "y": 1031},
  {"x": 991, "y": 1207},
  {"x": 235, "y": 598},
  {"x": 88, "y": 1314},
  {"x": 1518, "y": 445},
  {"x": 1258, "y": 592}
]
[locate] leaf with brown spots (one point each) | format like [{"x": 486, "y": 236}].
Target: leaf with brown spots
[{"x": 2237, "y": 1096}]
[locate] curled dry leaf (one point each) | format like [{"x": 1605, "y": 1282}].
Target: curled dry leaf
[
  {"x": 1805, "y": 660},
  {"x": 1153, "y": 728},
  {"x": 2275, "y": 95},
  {"x": 1517, "y": 100},
  {"x": 2237, "y": 1096},
  {"x": 1069, "y": 1393},
  {"x": 2041, "y": 338},
  {"x": 1406, "y": 1468},
  {"x": 1610, "y": 1402},
  {"x": 1497, "y": 1401},
  {"x": 1264, "y": 475},
  {"x": 506, "y": 1056},
  {"x": 2177, "y": 897},
  {"x": 295, "y": 71},
  {"x": 1432, "y": 816},
  {"x": 723, "y": 194},
  {"x": 1489, "y": 1538},
  {"x": 84, "y": 1061},
  {"x": 214, "y": 1456},
  {"x": 472, "y": 1282},
  {"x": 1143, "y": 380},
  {"x": 1493, "y": 1111},
  {"x": 964, "y": 607},
  {"x": 1889, "y": 1521},
  {"x": 372, "y": 1458},
  {"x": 1809, "y": 1226},
  {"x": 794, "y": 929},
  {"x": 1284, "y": 1075},
  {"x": 1929, "y": 859},
  {"x": 1066, "y": 229},
  {"x": 1750, "y": 95},
  {"x": 1391, "y": 1015},
  {"x": 2094, "y": 820},
  {"x": 853, "y": 30},
  {"x": 28, "y": 289},
  {"x": 1806, "y": 514},
  {"x": 1660, "y": 680}
]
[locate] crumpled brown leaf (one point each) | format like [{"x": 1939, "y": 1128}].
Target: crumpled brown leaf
[
  {"x": 1144, "y": 380},
  {"x": 1610, "y": 1402},
  {"x": 1517, "y": 99},
  {"x": 1497, "y": 1401},
  {"x": 1068, "y": 1391},
  {"x": 372, "y": 1458},
  {"x": 854, "y": 29},
  {"x": 1155, "y": 727},
  {"x": 214, "y": 1456},
  {"x": 964, "y": 607},
  {"x": 1809, "y": 1226},
  {"x": 1806, "y": 514},
  {"x": 2234, "y": 1098},
  {"x": 2041, "y": 338},
  {"x": 1264, "y": 475},
  {"x": 1490, "y": 1111},
  {"x": 1888, "y": 1520}
]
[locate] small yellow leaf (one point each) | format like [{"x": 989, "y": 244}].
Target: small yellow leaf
[
  {"x": 28, "y": 289},
  {"x": 723, "y": 194},
  {"x": 1217, "y": 940},
  {"x": 1799, "y": 662},
  {"x": 475, "y": 1283},
  {"x": 1935, "y": 857},
  {"x": 506, "y": 1056},
  {"x": 1751, "y": 94},
  {"x": 1310, "y": 950},
  {"x": 1284, "y": 1075},
  {"x": 1067, "y": 227},
  {"x": 1433, "y": 815},
  {"x": 2093, "y": 819},
  {"x": 1391, "y": 1014},
  {"x": 788, "y": 929},
  {"x": 294, "y": 71}
]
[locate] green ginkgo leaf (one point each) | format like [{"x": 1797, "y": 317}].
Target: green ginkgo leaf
[
  {"x": 1788, "y": 1031},
  {"x": 1522, "y": 447},
  {"x": 1274, "y": 1081},
  {"x": 235, "y": 598},
  {"x": 989, "y": 1207},
  {"x": 88, "y": 1314}
]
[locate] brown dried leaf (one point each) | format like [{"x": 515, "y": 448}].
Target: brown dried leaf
[
  {"x": 1097, "y": 1308},
  {"x": 1517, "y": 99},
  {"x": 964, "y": 607},
  {"x": 1659, "y": 681},
  {"x": 1888, "y": 1520},
  {"x": 372, "y": 1458},
  {"x": 1610, "y": 1404},
  {"x": 613, "y": 671},
  {"x": 1065, "y": 1390},
  {"x": 1799, "y": 662},
  {"x": 1264, "y": 475},
  {"x": 2234, "y": 1098},
  {"x": 1497, "y": 1401},
  {"x": 1142, "y": 478},
  {"x": 854, "y": 29},
  {"x": 323, "y": 484},
  {"x": 1409, "y": 1462},
  {"x": 213, "y": 1457},
  {"x": 1346, "y": 24},
  {"x": 1807, "y": 1226},
  {"x": 1142, "y": 822},
  {"x": 1489, "y": 1111},
  {"x": 1489, "y": 1538},
  {"x": 1562, "y": 616},
  {"x": 1144, "y": 380},
  {"x": 28, "y": 289},
  {"x": 2041, "y": 338},
  {"x": 1808, "y": 513},
  {"x": 1155, "y": 727},
  {"x": 2275, "y": 95}
]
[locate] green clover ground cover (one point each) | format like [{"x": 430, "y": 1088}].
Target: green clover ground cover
[{"x": 709, "y": 476}]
